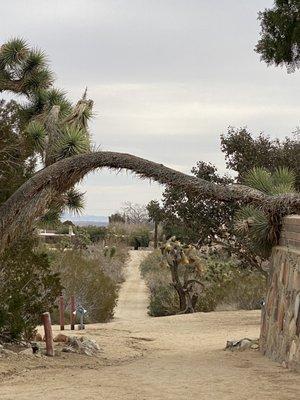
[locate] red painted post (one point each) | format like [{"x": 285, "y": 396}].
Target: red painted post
[
  {"x": 62, "y": 312},
  {"x": 72, "y": 312},
  {"x": 48, "y": 334}
]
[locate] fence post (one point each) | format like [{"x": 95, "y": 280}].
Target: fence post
[
  {"x": 62, "y": 312},
  {"x": 72, "y": 312},
  {"x": 48, "y": 334}
]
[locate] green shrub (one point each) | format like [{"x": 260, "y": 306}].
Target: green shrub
[
  {"x": 247, "y": 290},
  {"x": 28, "y": 288},
  {"x": 224, "y": 282},
  {"x": 163, "y": 301},
  {"x": 93, "y": 289},
  {"x": 140, "y": 237},
  {"x": 151, "y": 264},
  {"x": 95, "y": 233}
]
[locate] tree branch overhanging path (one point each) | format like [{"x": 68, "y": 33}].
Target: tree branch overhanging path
[{"x": 30, "y": 201}]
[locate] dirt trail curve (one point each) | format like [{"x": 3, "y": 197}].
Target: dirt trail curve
[{"x": 170, "y": 358}]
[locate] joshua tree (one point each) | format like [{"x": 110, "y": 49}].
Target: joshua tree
[
  {"x": 53, "y": 128},
  {"x": 186, "y": 270},
  {"x": 60, "y": 135},
  {"x": 34, "y": 196},
  {"x": 256, "y": 223}
]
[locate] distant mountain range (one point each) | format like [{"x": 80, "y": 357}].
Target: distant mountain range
[{"x": 84, "y": 220}]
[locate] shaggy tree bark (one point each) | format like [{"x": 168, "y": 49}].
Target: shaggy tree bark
[{"x": 29, "y": 202}]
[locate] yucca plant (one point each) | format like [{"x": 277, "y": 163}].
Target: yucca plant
[
  {"x": 53, "y": 127},
  {"x": 23, "y": 70},
  {"x": 261, "y": 227},
  {"x": 72, "y": 141}
]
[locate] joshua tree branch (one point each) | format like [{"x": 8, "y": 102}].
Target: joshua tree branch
[{"x": 31, "y": 199}]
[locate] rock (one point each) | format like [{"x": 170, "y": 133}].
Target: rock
[
  {"x": 38, "y": 337},
  {"x": 81, "y": 345},
  {"x": 89, "y": 347},
  {"x": 61, "y": 338},
  {"x": 68, "y": 349},
  {"x": 254, "y": 346},
  {"x": 241, "y": 345},
  {"x": 74, "y": 342},
  {"x": 90, "y": 344},
  {"x": 245, "y": 344},
  {"x": 27, "y": 352}
]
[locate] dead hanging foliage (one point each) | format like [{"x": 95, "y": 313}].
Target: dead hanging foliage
[{"x": 29, "y": 202}]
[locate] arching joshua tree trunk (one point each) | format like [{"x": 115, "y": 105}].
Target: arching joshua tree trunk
[{"x": 29, "y": 202}]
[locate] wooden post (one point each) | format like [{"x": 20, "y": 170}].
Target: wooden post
[
  {"x": 155, "y": 234},
  {"x": 72, "y": 312},
  {"x": 48, "y": 334},
  {"x": 62, "y": 312}
]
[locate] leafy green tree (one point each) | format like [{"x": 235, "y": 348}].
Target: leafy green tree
[
  {"x": 116, "y": 218},
  {"x": 139, "y": 237},
  {"x": 280, "y": 34},
  {"x": 244, "y": 152},
  {"x": 28, "y": 288},
  {"x": 196, "y": 219}
]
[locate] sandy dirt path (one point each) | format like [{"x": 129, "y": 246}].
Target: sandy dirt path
[
  {"x": 179, "y": 357},
  {"x": 133, "y": 295}
]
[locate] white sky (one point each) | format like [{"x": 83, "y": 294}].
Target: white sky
[{"x": 167, "y": 77}]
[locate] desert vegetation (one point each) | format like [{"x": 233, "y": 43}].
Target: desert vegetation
[
  {"x": 224, "y": 285},
  {"x": 216, "y": 232}
]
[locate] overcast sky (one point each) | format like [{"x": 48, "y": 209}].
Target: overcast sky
[{"x": 167, "y": 78}]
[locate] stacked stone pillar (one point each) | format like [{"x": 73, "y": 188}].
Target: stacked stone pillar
[{"x": 280, "y": 328}]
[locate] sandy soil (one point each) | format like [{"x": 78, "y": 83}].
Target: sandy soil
[{"x": 179, "y": 357}]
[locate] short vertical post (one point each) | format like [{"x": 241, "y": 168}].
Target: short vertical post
[
  {"x": 72, "y": 312},
  {"x": 62, "y": 312},
  {"x": 48, "y": 334},
  {"x": 81, "y": 321}
]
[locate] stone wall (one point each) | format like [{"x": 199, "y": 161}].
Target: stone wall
[{"x": 280, "y": 330}]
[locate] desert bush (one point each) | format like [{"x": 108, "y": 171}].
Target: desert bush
[
  {"x": 92, "y": 232},
  {"x": 111, "y": 261},
  {"x": 95, "y": 233},
  {"x": 28, "y": 287},
  {"x": 163, "y": 301},
  {"x": 225, "y": 283},
  {"x": 247, "y": 290},
  {"x": 140, "y": 237},
  {"x": 83, "y": 277},
  {"x": 129, "y": 234},
  {"x": 93, "y": 278}
]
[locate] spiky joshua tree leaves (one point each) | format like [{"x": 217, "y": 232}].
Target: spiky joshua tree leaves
[
  {"x": 262, "y": 227},
  {"x": 53, "y": 128},
  {"x": 23, "y": 70},
  {"x": 186, "y": 269}
]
